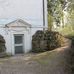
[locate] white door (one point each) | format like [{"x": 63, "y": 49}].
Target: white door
[{"x": 18, "y": 43}]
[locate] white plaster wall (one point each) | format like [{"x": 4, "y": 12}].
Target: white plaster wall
[
  {"x": 28, "y": 10},
  {"x": 35, "y": 29},
  {"x": 2, "y": 31},
  {"x": 8, "y": 35},
  {"x": 26, "y": 40},
  {"x": 7, "y": 38}
]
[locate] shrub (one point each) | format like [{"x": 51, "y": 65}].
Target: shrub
[
  {"x": 2, "y": 44},
  {"x": 45, "y": 41}
]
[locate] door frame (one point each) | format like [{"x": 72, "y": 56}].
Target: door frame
[{"x": 22, "y": 44}]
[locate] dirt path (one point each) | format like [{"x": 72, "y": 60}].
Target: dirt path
[{"x": 54, "y": 62}]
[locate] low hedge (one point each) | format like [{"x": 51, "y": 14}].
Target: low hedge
[
  {"x": 46, "y": 41},
  {"x": 2, "y": 44}
]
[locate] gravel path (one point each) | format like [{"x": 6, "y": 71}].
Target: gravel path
[{"x": 22, "y": 64}]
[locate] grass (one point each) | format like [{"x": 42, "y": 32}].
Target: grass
[
  {"x": 46, "y": 57},
  {"x": 4, "y": 58},
  {"x": 67, "y": 31},
  {"x": 55, "y": 60}
]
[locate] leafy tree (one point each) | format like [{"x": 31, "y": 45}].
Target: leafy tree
[
  {"x": 55, "y": 9},
  {"x": 70, "y": 17}
]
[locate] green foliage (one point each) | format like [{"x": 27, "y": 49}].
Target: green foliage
[
  {"x": 67, "y": 30},
  {"x": 70, "y": 7},
  {"x": 71, "y": 19},
  {"x": 50, "y": 22},
  {"x": 55, "y": 9}
]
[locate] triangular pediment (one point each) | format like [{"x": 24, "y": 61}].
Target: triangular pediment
[{"x": 18, "y": 23}]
